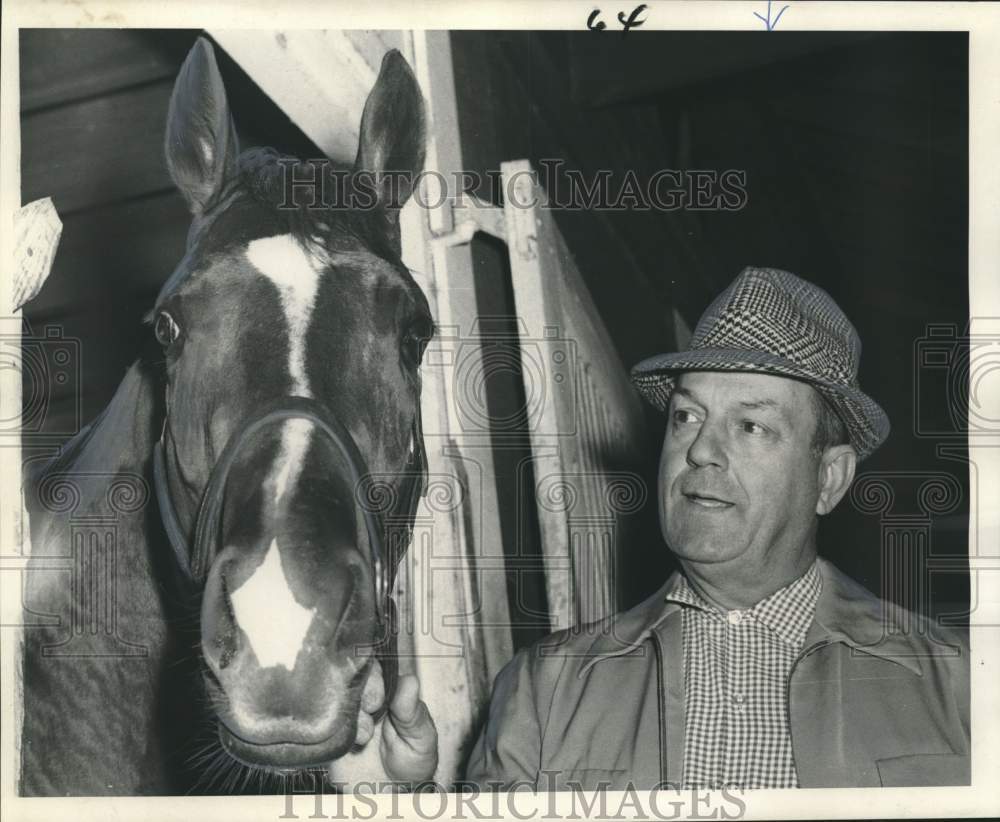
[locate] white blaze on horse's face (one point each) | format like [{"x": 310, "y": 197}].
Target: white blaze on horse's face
[
  {"x": 284, "y": 261},
  {"x": 266, "y": 610},
  {"x": 290, "y": 591},
  {"x": 264, "y": 606},
  {"x": 295, "y": 273}
]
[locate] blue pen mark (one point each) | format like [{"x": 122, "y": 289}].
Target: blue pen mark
[{"x": 768, "y": 21}]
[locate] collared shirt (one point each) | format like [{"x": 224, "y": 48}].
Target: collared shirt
[{"x": 736, "y": 667}]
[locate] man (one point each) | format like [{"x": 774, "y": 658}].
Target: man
[{"x": 758, "y": 665}]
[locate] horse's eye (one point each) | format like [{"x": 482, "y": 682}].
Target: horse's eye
[
  {"x": 166, "y": 329},
  {"x": 415, "y": 341}
]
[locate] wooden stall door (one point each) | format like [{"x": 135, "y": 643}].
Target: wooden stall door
[{"x": 584, "y": 417}]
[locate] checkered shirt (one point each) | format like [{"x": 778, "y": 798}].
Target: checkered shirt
[{"x": 736, "y": 666}]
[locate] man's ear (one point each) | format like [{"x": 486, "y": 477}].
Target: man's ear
[{"x": 836, "y": 473}]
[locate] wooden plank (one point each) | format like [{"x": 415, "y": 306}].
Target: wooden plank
[
  {"x": 318, "y": 78},
  {"x": 458, "y": 577},
  {"x": 584, "y": 416},
  {"x": 62, "y": 65},
  {"x": 372, "y": 45},
  {"x": 15, "y": 540},
  {"x": 97, "y": 151},
  {"x": 109, "y": 147}
]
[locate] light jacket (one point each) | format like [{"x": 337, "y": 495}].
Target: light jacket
[{"x": 873, "y": 699}]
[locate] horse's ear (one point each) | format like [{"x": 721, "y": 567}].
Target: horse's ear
[
  {"x": 393, "y": 134},
  {"x": 201, "y": 145}
]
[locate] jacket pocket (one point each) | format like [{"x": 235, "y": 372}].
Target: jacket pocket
[{"x": 918, "y": 770}]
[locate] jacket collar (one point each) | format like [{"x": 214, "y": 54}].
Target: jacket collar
[
  {"x": 846, "y": 612},
  {"x": 625, "y": 632}
]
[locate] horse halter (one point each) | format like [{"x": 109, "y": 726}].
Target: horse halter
[{"x": 194, "y": 561}]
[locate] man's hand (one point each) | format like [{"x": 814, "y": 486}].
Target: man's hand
[{"x": 409, "y": 746}]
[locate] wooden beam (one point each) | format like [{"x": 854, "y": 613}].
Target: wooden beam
[{"x": 320, "y": 79}]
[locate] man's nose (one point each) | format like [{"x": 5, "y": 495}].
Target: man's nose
[{"x": 708, "y": 447}]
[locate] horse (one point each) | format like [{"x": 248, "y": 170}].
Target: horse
[{"x": 232, "y": 521}]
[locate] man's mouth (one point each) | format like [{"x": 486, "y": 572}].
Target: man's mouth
[{"x": 708, "y": 501}]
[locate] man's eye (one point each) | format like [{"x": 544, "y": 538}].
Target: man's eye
[
  {"x": 751, "y": 427},
  {"x": 682, "y": 415}
]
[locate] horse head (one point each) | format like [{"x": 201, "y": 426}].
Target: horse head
[{"x": 292, "y": 336}]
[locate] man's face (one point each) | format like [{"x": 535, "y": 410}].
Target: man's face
[{"x": 739, "y": 482}]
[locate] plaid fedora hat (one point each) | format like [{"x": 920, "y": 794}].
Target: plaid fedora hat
[{"x": 771, "y": 322}]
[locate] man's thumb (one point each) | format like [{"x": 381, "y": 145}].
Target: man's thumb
[{"x": 405, "y": 705}]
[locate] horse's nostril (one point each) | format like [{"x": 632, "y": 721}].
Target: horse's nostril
[
  {"x": 227, "y": 599},
  {"x": 220, "y": 635},
  {"x": 228, "y": 640},
  {"x": 228, "y": 651}
]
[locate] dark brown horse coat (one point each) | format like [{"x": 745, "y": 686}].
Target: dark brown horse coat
[{"x": 141, "y": 677}]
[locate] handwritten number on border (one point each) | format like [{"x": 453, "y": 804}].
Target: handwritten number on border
[{"x": 594, "y": 23}]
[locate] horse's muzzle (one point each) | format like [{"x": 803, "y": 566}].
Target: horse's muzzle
[
  {"x": 281, "y": 756},
  {"x": 269, "y": 724},
  {"x": 287, "y": 643}
]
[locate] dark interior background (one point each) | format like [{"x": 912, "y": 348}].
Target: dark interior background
[{"x": 855, "y": 148}]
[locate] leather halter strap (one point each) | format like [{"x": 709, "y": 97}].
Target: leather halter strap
[{"x": 194, "y": 560}]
